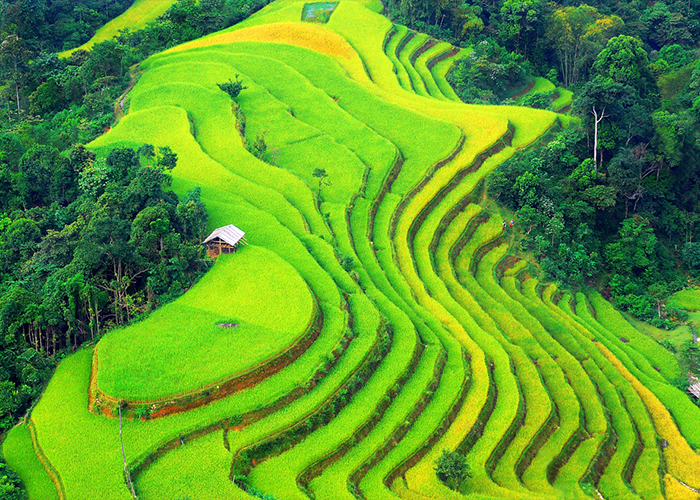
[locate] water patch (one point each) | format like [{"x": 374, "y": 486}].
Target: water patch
[{"x": 318, "y": 12}]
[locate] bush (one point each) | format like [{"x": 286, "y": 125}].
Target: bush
[
  {"x": 452, "y": 469},
  {"x": 538, "y": 100},
  {"x": 142, "y": 412},
  {"x": 691, "y": 254},
  {"x": 10, "y": 485},
  {"x": 232, "y": 88},
  {"x": 488, "y": 75}
]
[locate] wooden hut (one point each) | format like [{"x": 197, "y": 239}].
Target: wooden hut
[
  {"x": 224, "y": 240},
  {"x": 695, "y": 390}
]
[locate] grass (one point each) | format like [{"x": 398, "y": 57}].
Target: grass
[
  {"x": 20, "y": 454},
  {"x": 398, "y": 38},
  {"x": 649, "y": 458},
  {"x": 405, "y": 57},
  {"x": 611, "y": 481},
  {"x": 198, "y": 470},
  {"x": 681, "y": 461},
  {"x": 540, "y": 85},
  {"x": 686, "y": 299},
  {"x": 425, "y": 73},
  {"x": 475, "y": 300},
  {"x": 564, "y": 99},
  {"x": 685, "y": 413},
  {"x": 440, "y": 71},
  {"x": 655, "y": 353},
  {"x": 332, "y": 482},
  {"x": 539, "y": 348},
  {"x": 134, "y": 18},
  {"x": 253, "y": 288},
  {"x": 67, "y": 430},
  {"x": 279, "y": 475}
]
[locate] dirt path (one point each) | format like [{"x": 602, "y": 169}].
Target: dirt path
[{"x": 119, "y": 105}]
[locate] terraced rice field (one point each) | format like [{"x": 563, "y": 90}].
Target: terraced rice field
[
  {"x": 345, "y": 382},
  {"x": 134, "y": 18}
]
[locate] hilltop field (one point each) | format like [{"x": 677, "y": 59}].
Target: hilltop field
[{"x": 383, "y": 314}]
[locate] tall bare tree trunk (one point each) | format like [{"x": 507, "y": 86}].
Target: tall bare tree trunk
[
  {"x": 597, "y": 119},
  {"x": 19, "y": 110}
]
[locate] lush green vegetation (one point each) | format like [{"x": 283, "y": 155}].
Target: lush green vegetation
[
  {"x": 264, "y": 297},
  {"x": 391, "y": 330}
]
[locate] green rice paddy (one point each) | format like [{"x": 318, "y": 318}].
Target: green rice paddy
[
  {"x": 255, "y": 290},
  {"x": 687, "y": 299},
  {"x": 381, "y": 315}
]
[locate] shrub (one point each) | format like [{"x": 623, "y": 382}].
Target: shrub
[
  {"x": 10, "y": 485},
  {"x": 232, "y": 88},
  {"x": 142, "y": 412},
  {"x": 538, "y": 100},
  {"x": 347, "y": 263},
  {"x": 452, "y": 469}
]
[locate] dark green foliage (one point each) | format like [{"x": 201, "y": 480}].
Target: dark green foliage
[
  {"x": 58, "y": 25},
  {"x": 100, "y": 244},
  {"x": 538, "y": 100},
  {"x": 322, "y": 176},
  {"x": 232, "y": 88},
  {"x": 488, "y": 75},
  {"x": 347, "y": 263},
  {"x": 452, "y": 469},
  {"x": 75, "y": 97},
  {"x": 142, "y": 412},
  {"x": 259, "y": 147},
  {"x": 690, "y": 356},
  {"x": 691, "y": 254},
  {"x": 10, "y": 485}
]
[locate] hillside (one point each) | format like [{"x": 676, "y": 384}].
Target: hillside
[{"x": 383, "y": 311}]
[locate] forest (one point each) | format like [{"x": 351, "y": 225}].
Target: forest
[{"x": 90, "y": 243}]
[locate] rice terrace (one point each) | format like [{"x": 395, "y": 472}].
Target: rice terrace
[{"x": 381, "y": 315}]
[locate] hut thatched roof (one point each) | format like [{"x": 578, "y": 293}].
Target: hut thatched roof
[
  {"x": 695, "y": 390},
  {"x": 229, "y": 234}
]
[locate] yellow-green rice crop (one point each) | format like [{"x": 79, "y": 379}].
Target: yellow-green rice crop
[
  {"x": 539, "y": 85},
  {"x": 398, "y": 37},
  {"x": 253, "y": 289},
  {"x": 687, "y": 299},
  {"x": 563, "y": 99},
  {"x": 20, "y": 454}
]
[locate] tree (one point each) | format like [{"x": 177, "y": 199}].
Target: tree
[
  {"x": 14, "y": 56},
  {"x": 167, "y": 159},
  {"x": 10, "y": 484},
  {"x": 616, "y": 105},
  {"x": 33, "y": 179},
  {"x": 571, "y": 32},
  {"x": 663, "y": 27},
  {"x": 452, "y": 469},
  {"x": 122, "y": 163},
  {"x": 625, "y": 61},
  {"x": 232, "y": 88},
  {"x": 321, "y": 175},
  {"x": 633, "y": 253},
  {"x": 192, "y": 214},
  {"x": 46, "y": 98},
  {"x": 150, "y": 232},
  {"x": 523, "y": 22}
]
